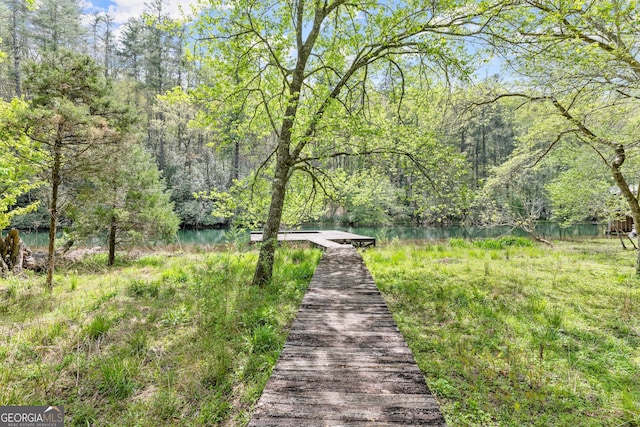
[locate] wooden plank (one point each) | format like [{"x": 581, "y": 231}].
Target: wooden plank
[
  {"x": 345, "y": 362},
  {"x": 394, "y": 413},
  {"x": 322, "y": 238},
  {"x": 324, "y": 243}
]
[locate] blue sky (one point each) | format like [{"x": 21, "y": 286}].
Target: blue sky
[{"x": 122, "y": 10}]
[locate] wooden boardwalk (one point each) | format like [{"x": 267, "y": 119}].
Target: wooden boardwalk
[
  {"x": 345, "y": 363},
  {"x": 321, "y": 238}
]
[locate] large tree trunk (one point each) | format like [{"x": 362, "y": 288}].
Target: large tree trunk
[
  {"x": 12, "y": 253},
  {"x": 631, "y": 198},
  {"x": 264, "y": 269},
  {"x": 15, "y": 251},
  {"x": 285, "y": 158}
]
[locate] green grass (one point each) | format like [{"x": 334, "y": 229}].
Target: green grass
[
  {"x": 509, "y": 333},
  {"x": 161, "y": 340}
]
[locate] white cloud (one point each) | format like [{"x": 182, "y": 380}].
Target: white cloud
[{"x": 123, "y": 10}]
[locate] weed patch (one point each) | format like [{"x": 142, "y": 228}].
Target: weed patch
[{"x": 97, "y": 328}]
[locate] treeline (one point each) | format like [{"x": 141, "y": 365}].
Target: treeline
[
  {"x": 147, "y": 61},
  {"x": 426, "y": 150}
]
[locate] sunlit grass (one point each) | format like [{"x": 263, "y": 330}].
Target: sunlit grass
[
  {"x": 507, "y": 333},
  {"x": 520, "y": 335},
  {"x": 161, "y": 340}
]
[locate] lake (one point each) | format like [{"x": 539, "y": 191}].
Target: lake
[
  {"x": 215, "y": 236},
  {"x": 546, "y": 230}
]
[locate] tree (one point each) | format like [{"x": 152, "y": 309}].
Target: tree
[
  {"x": 132, "y": 51},
  {"x": 297, "y": 64},
  {"x": 18, "y": 163},
  {"x": 125, "y": 201},
  {"x": 583, "y": 189},
  {"x": 16, "y": 40},
  {"x": 514, "y": 196},
  {"x": 102, "y": 31},
  {"x": 57, "y": 25},
  {"x": 582, "y": 61},
  {"x": 71, "y": 118}
]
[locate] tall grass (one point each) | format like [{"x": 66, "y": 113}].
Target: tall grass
[
  {"x": 163, "y": 340},
  {"x": 517, "y": 334}
]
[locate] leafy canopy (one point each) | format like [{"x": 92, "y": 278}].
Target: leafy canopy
[{"x": 19, "y": 162}]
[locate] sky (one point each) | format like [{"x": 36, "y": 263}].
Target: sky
[{"x": 123, "y": 10}]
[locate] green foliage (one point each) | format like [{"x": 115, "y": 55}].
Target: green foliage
[
  {"x": 584, "y": 188},
  {"x": 366, "y": 198},
  {"x": 72, "y": 118},
  {"x": 19, "y": 160},
  {"x": 58, "y": 24},
  {"x": 140, "y": 288},
  {"x": 503, "y": 242},
  {"x": 579, "y": 66},
  {"x": 246, "y": 203},
  {"x": 53, "y": 84},
  {"x": 128, "y": 195},
  {"x": 514, "y": 193},
  {"x": 458, "y": 243}
]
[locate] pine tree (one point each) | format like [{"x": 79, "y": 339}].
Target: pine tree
[
  {"x": 57, "y": 24},
  {"x": 72, "y": 118},
  {"x": 125, "y": 201}
]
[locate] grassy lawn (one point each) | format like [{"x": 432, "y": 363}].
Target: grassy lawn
[
  {"x": 161, "y": 340},
  {"x": 507, "y": 333},
  {"x": 513, "y": 334}
]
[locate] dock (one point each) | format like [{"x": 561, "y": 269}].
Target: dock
[
  {"x": 321, "y": 238},
  {"x": 345, "y": 361}
]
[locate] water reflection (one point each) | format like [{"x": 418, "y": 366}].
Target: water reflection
[
  {"x": 545, "y": 230},
  {"x": 211, "y": 237}
]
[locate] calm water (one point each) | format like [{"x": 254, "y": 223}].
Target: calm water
[
  {"x": 209, "y": 237},
  {"x": 203, "y": 237}
]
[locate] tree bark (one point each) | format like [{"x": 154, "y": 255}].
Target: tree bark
[
  {"x": 631, "y": 199},
  {"x": 19, "y": 264},
  {"x": 264, "y": 269},
  {"x": 3, "y": 253},
  {"x": 53, "y": 209},
  {"x": 284, "y": 164},
  {"x": 3, "y": 248},
  {"x": 15, "y": 250},
  {"x": 15, "y": 46},
  {"x": 112, "y": 241},
  {"x": 235, "y": 173}
]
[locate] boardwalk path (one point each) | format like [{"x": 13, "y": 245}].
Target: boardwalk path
[{"x": 345, "y": 362}]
